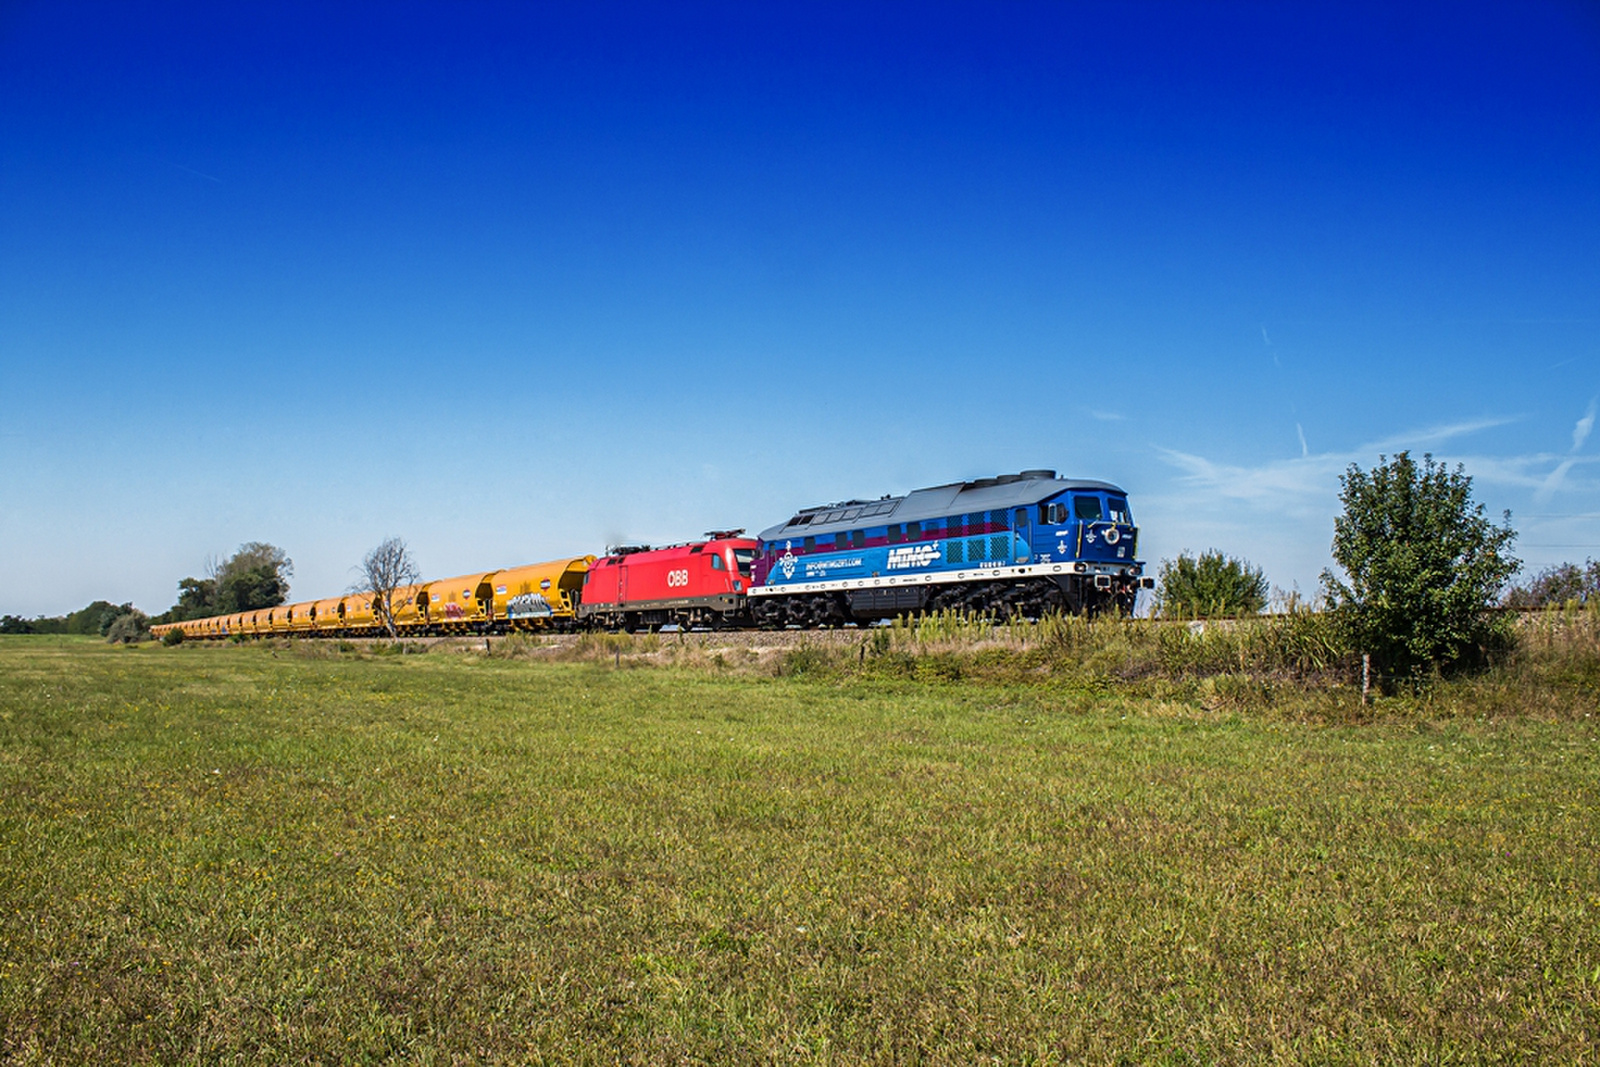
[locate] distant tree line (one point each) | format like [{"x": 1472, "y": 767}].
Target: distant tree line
[
  {"x": 95, "y": 620},
  {"x": 256, "y": 576},
  {"x": 1557, "y": 586}
]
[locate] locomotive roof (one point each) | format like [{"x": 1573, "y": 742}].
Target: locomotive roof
[
  {"x": 616, "y": 552},
  {"x": 984, "y": 494}
]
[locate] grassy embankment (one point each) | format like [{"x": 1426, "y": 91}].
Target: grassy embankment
[{"x": 945, "y": 853}]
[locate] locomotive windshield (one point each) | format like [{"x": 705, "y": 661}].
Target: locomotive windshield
[
  {"x": 746, "y": 558},
  {"x": 1119, "y": 511},
  {"x": 1087, "y": 508}
]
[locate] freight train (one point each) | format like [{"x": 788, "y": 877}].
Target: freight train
[{"x": 1013, "y": 546}]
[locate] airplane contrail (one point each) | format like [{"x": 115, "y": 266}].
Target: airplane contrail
[{"x": 196, "y": 173}]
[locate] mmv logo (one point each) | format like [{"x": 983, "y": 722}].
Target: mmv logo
[{"x": 913, "y": 556}]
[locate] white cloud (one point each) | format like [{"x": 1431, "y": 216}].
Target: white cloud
[
  {"x": 1280, "y": 511},
  {"x": 1275, "y": 481},
  {"x": 1580, "y": 432},
  {"x": 1553, "y": 484},
  {"x": 1560, "y": 481},
  {"x": 1432, "y": 435},
  {"x": 1286, "y": 480}
]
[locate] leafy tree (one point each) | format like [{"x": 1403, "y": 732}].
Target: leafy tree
[
  {"x": 256, "y": 576},
  {"x": 41, "y": 624},
  {"x": 197, "y": 598},
  {"x": 1209, "y": 585},
  {"x": 249, "y": 589},
  {"x": 385, "y": 569},
  {"x": 96, "y": 619},
  {"x": 128, "y": 628},
  {"x": 1424, "y": 567},
  {"x": 1559, "y": 585}
]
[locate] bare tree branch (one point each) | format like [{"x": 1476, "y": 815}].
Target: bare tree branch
[{"x": 385, "y": 569}]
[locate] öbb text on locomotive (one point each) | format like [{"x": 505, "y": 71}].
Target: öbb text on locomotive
[{"x": 1017, "y": 545}]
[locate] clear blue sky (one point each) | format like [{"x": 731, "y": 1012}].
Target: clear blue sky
[{"x": 513, "y": 281}]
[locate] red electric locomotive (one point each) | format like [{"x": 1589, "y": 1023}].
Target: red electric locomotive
[{"x": 703, "y": 583}]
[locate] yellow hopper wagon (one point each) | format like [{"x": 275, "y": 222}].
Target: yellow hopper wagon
[
  {"x": 359, "y": 617},
  {"x": 533, "y": 597},
  {"x": 410, "y": 608},
  {"x": 328, "y": 616},
  {"x": 300, "y": 617},
  {"x": 539, "y": 596},
  {"x": 459, "y": 605}
]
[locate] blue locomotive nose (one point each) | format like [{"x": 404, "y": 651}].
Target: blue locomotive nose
[
  {"x": 1088, "y": 525},
  {"x": 1107, "y": 541}
]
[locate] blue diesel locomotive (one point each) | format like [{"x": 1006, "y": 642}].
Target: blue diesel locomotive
[{"x": 1018, "y": 545}]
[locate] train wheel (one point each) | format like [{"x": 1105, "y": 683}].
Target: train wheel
[{"x": 767, "y": 615}]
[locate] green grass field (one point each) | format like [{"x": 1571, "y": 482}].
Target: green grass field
[{"x": 241, "y": 854}]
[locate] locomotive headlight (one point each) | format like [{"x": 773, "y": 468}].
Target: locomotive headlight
[{"x": 1082, "y": 567}]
